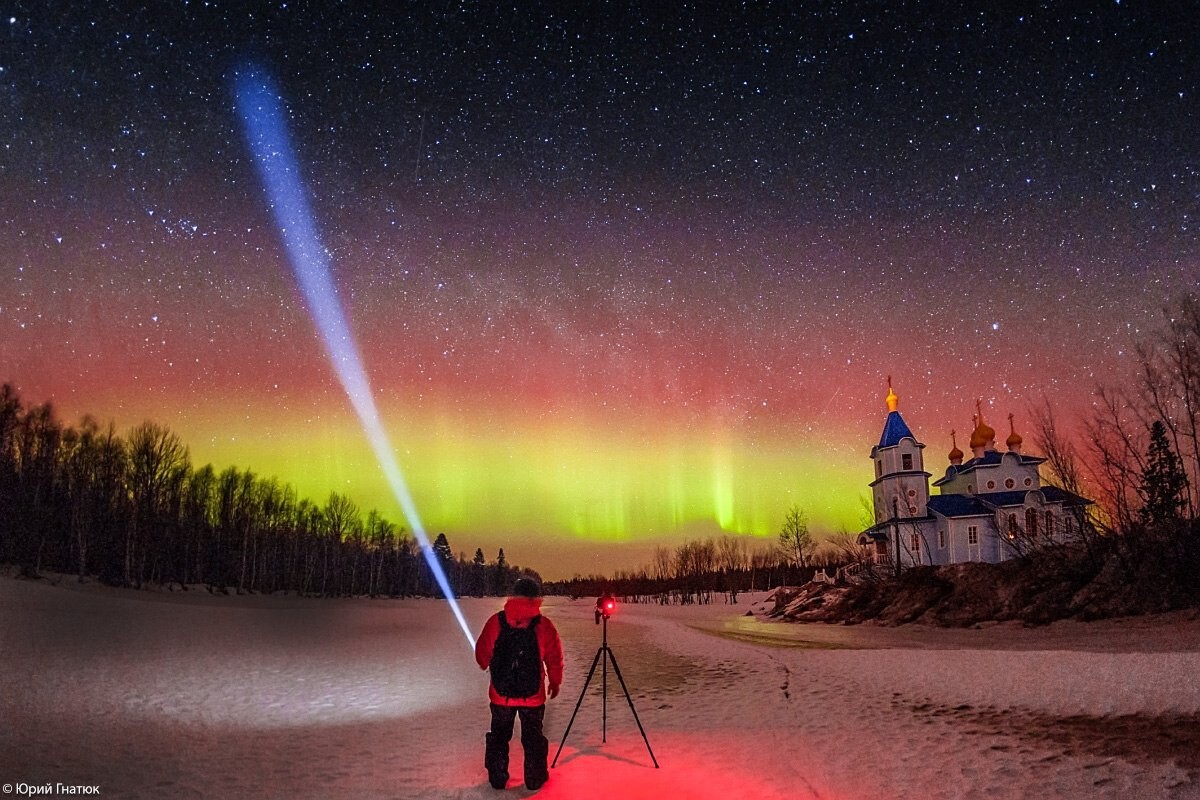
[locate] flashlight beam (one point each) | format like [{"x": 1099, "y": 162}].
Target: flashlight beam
[{"x": 261, "y": 112}]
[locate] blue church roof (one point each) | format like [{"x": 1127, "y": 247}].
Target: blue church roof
[
  {"x": 971, "y": 505},
  {"x": 959, "y": 505},
  {"x": 894, "y": 429},
  {"x": 991, "y": 458}
]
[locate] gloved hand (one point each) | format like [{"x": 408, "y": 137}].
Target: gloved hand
[{"x": 553, "y": 691}]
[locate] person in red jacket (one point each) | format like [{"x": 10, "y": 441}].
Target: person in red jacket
[{"x": 507, "y": 638}]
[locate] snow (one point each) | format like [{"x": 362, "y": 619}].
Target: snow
[{"x": 153, "y": 694}]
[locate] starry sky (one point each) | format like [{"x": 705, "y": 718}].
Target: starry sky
[{"x": 620, "y": 275}]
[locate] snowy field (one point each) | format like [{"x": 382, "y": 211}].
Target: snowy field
[{"x": 184, "y": 695}]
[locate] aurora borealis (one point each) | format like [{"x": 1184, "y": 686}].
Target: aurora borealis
[{"x": 620, "y": 276}]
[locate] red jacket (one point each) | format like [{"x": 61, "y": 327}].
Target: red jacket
[{"x": 520, "y": 611}]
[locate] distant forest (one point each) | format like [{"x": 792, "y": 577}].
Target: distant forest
[
  {"x": 132, "y": 511},
  {"x": 723, "y": 567}
]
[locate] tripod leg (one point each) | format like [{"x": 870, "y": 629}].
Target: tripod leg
[
  {"x": 578, "y": 703},
  {"x": 625, "y": 689},
  {"x": 604, "y": 697}
]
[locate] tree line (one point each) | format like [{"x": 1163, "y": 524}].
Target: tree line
[
  {"x": 133, "y": 510},
  {"x": 698, "y": 571}
]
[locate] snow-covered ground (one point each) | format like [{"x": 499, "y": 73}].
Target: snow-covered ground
[{"x": 187, "y": 695}]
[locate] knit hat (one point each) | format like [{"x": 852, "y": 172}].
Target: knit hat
[{"x": 526, "y": 587}]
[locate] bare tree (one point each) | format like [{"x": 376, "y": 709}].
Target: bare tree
[
  {"x": 199, "y": 522},
  {"x": 795, "y": 540},
  {"x": 661, "y": 565},
  {"x": 682, "y": 571},
  {"x": 706, "y": 568},
  {"x": 157, "y": 466},
  {"x": 764, "y": 561},
  {"x": 94, "y": 463},
  {"x": 732, "y": 557},
  {"x": 846, "y": 549},
  {"x": 10, "y": 417},
  {"x": 1066, "y": 471},
  {"x": 1115, "y": 449},
  {"x": 341, "y": 518},
  {"x": 866, "y": 511}
]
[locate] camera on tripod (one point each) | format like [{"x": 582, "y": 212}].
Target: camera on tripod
[{"x": 606, "y": 604}]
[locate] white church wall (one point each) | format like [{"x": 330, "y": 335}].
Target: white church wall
[{"x": 1009, "y": 475}]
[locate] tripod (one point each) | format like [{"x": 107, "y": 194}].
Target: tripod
[{"x": 604, "y": 652}]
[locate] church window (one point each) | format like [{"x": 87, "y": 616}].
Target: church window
[
  {"x": 941, "y": 540},
  {"x": 912, "y": 492},
  {"x": 1009, "y": 483},
  {"x": 991, "y": 484},
  {"x": 970, "y": 488},
  {"x": 1029, "y": 481},
  {"x": 906, "y": 461},
  {"x": 912, "y": 509},
  {"x": 1012, "y": 526},
  {"x": 1031, "y": 521},
  {"x": 878, "y": 468},
  {"x": 972, "y": 535},
  {"x": 914, "y": 542},
  {"x": 1050, "y": 523}
]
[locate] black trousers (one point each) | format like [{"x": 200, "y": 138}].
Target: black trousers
[{"x": 533, "y": 741}]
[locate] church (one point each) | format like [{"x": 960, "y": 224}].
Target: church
[{"x": 989, "y": 508}]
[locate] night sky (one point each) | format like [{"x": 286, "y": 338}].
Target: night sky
[{"x": 620, "y": 276}]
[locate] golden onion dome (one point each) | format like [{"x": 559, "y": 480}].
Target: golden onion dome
[
  {"x": 1014, "y": 439},
  {"x": 955, "y": 453},
  {"x": 982, "y": 435},
  {"x": 892, "y": 399}
]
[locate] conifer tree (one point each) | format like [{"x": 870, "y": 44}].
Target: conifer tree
[
  {"x": 441, "y": 546},
  {"x": 478, "y": 574},
  {"x": 1164, "y": 483},
  {"x": 500, "y": 575}
]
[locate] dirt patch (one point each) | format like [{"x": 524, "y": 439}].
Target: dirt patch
[
  {"x": 1135, "y": 738},
  {"x": 774, "y": 641}
]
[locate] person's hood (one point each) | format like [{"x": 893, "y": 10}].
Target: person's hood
[{"x": 520, "y": 610}]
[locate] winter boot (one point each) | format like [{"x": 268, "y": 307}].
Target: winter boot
[
  {"x": 495, "y": 760},
  {"x": 537, "y": 748}
]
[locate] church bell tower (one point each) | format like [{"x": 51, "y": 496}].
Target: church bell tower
[{"x": 901, "y": 485}]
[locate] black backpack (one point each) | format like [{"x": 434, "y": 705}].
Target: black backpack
[{"x": 517, "y": 660}]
